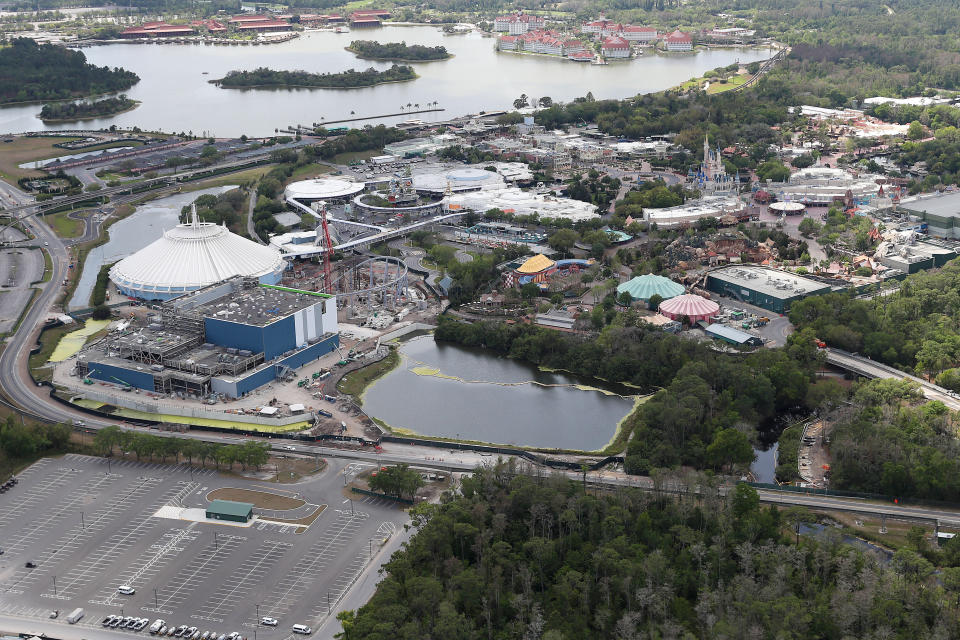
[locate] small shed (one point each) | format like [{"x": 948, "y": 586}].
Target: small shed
[
  {"x": 732, "y": 336},
  {"x": 230, "y": 510}
]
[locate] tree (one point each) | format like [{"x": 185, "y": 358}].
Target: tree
[
  {"x": 809, "y": 227},
  {"x": 624, "y": 299},
  {"x": 399, "y": 481},
  {"x": 729, "y": 448},
  {"x": 915, "y": 131},
  {"x": 521, "y": 102},
  {"x": 654, "y": 302},
  {"x": 546, "y": 102},
  {"x": 563, "y": 240},
  {"x": 744, "y": 500}
]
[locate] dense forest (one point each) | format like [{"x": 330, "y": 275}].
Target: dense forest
[
  {"x": 264, "y": 78},
  {"x": 709, "y": 404},
  {"x": 888, "y": 440},
  {"x": 399, "y": 51},
  {"x": 31, "y": 71},
  {"x": 917, "y": 328},
  {"x": 540, "y": 558},
  {"x": 85, "y": 110}
]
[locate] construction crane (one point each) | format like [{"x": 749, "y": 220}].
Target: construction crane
[{"x": 327, "y": 284}]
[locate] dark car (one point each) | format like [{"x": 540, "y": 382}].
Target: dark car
[{"x": 30, "y": 564}]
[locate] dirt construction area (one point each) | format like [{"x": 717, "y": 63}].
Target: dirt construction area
[{"x": 74, "y": 529}]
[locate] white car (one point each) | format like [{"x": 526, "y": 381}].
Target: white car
[
  {"x": 270, "y": 622},
  {"x": 126, "y": 590}
]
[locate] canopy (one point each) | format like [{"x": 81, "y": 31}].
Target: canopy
[
  {"x": 694, "y": 307},
  {"x": 646, "y": 286},
  {"x": 536, "y": 264}
]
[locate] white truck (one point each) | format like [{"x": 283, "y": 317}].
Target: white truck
[{"x": 75, "y": 615}]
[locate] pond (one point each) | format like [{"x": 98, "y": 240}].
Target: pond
[
  {"x": 133, "y": 233},
  {"x": 472, "y": 394},
  {"x": 764, "y": 466}
]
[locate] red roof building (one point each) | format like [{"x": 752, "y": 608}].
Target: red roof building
[
  {"x": 157, "y": 30},
  {"x": 269, "y": 24},
  {"x": 361, "y": 19},
  {"x": 213, "y": 26},
  {"x": 581, "y": 56},
  {"x": 615, "y": 47},
  {"x": 679, "y": 41},
  {"x": 635, "y": 33}
]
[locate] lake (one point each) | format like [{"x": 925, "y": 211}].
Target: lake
[
  {"x": 472, "y": 394},
  {"x": 133, "y": 233},
  {"x": 176, "y": 95}
]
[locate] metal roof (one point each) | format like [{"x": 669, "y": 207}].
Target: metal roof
[
  {"x": 194, "y": 255},
  {"x": 729, "y": 333},
  {"x": 230, "y": 508}
]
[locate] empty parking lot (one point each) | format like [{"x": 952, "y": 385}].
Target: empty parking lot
[{"x": 88, "y": 527}]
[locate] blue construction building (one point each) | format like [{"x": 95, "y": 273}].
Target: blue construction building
[{"x": 229, "y": 339}]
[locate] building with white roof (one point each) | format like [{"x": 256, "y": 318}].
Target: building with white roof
[
  {"x": 191, "y": 256},
  {"x": 457, "y": 180},
  {"x": 690, "y": 212},
  {"x": 522, "y": 203},
  {"x": 326, "y": 189}
]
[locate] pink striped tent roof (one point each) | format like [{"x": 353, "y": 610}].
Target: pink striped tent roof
[{"x": 693, "y": 306}]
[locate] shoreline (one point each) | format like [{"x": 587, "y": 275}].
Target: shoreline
[
  {"x": 618, "y": 431},
  {"x": 84, "y": 97},
  {"x": 136, "y": 104}
]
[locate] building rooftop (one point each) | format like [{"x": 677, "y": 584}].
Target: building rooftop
[
  {"x": 941, "y": 204},
  {"x": 729, "y": 333},
  {"x": 228, "y": 507},
  {"x": 778, "y": 284},
  {"x": 259, "y": 305}
]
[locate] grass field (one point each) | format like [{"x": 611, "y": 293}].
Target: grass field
[
  {"x": 353, "y": 156},
  {"x": 248, "y": 175},
  {"x": 309, "y": 171},
  {"x": 726, "y": 85},
  {"x": 24, "y": 149},
  {"x": 64, "y": 226},
  {"x": 261, "y": 499}
]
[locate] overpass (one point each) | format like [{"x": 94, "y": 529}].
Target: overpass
[
  {"x": 868, "y": 368},
  {"x": 383, "y": 234}
]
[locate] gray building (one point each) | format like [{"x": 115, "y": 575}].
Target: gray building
[
  {"x": 941, "y": 212},
  {"x": 767, "y": 288},
  {"x": 732, "y": 336}
]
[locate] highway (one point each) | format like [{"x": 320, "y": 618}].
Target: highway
[{"x": 871, "y": 369}]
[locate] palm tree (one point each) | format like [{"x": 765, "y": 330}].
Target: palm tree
[
  {"x": 417, "y": 105},
  {"x": 409, "y": 105},
  {"x": 352, "y": 112}
]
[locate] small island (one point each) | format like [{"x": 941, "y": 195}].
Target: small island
[
  {"x": 31, "y": 72},
  {"x": 264, "y": 78},
  {"x": 70, "y": 111},
  {"x": 397, "y": 51}
]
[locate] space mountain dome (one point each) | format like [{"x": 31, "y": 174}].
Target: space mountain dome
[{"x": 193, "y": 255}]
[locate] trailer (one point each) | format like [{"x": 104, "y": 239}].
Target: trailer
[{"x": 325, "y": 413}]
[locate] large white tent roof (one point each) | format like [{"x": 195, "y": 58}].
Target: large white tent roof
[
  {"x": 322, "y": 189},
  {"x": 194, "y": 255}
]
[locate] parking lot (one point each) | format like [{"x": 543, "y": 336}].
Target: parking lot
[{"x": 76, "y": 528}]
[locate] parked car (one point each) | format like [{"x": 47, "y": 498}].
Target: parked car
[
  {"x": 126, "y": 590},
  {"x": 268, "y": 621}
]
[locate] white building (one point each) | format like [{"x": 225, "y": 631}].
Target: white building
[
  {"x": 521, "y": 203},
  {"x": 615, "y": 47},
  {"x": 690, "y": 212},
  {"x": 518, "y": 23}
]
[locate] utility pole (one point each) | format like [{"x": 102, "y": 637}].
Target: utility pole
[
  {"x": 156, "y": 600},
  {"x": 54, "y": 585}
]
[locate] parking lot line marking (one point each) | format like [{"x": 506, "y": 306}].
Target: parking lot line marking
[
  {"x": 175, "y": 593},
  {"x": 94, "y": 563},
  {"x": 242, "y": 581},
  {"x": 30, "y": 495}
]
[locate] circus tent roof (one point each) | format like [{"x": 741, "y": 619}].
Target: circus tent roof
[
  {"x": 536, "y": 264},
  {"x": 690, "y": 305},
  {"x": 646, "y": 286}
]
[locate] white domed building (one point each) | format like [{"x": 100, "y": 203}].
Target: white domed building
[
  {"x": 191, "y": 256},
  {"x": 326, "y": 189}
]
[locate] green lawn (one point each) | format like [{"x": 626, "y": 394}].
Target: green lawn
[
  {"x": 726, "y": 85},
  {"x": 248, "y": 175},
  {"x": 64, "y": 226},
  {"x": 353, "y": 156},
  {"x": 355, "y": 382}
]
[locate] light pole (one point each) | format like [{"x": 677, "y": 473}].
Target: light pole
[
  {"x": 156, "y": 600},
  {"x": 216, "y": 545},
  {"x": 258, "y": 615},
  {"x": 83, "y": 525},
  {"x": 54, "y": 585}
]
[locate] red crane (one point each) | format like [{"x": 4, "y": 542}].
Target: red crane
[{"x": 327, "y": 285}]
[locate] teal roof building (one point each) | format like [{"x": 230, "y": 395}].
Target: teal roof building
[{"x": 646, "y": 286}]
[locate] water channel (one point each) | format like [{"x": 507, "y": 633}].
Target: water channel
[
  {"x": 176, "y": 95},
  {"x": 451, "y": 391},
  {"x": 133, "y": 233}
]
